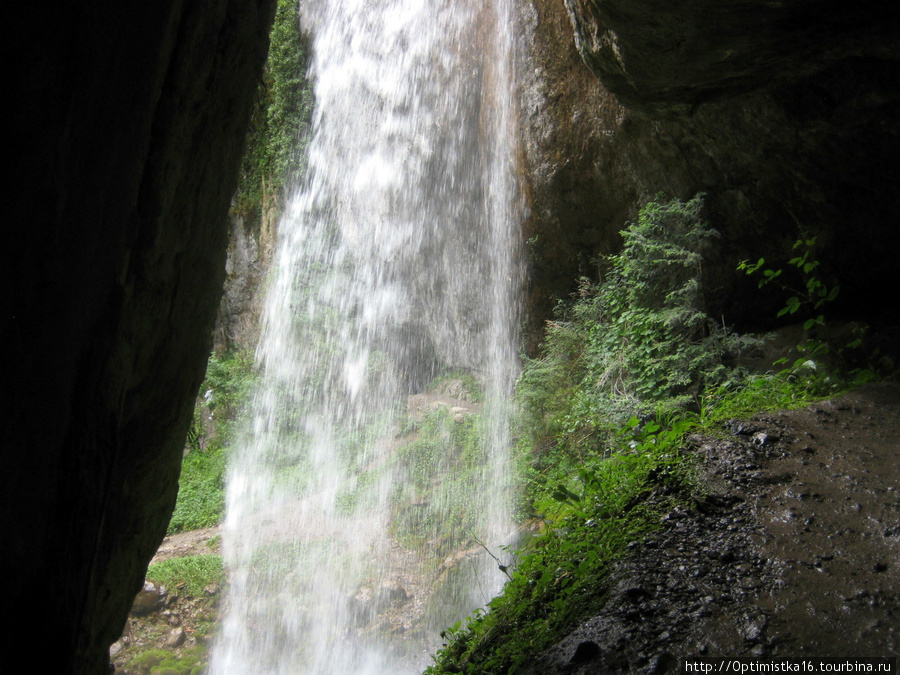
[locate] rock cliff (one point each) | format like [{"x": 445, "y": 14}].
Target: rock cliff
[{"x": 127, "y": 129}]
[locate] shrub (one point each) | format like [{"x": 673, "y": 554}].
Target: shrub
[{"x": 634, "y": 342}]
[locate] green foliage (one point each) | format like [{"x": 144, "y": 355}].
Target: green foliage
[
  {"x": 824, "y": 364},
  {"x": 201, "y": 492},
  {"x": 603, "y": 415},
  {"x": 638, "y": 340},
  {"x": 589, "y": 519},
  {"x": 279, "y": 126},
  {"x": 223, "y": 395},
  {"x": 290, "y": 96},
  {"x": 229, "y": 380},
  {"x": 650, "y": 339},
  {"x": 815, "y": 292},
  {"x": 770, "y": 391},
  {"x": 603, "y": 419},
  {"x": 191, "y": 574}
]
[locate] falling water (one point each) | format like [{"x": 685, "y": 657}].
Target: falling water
[{"x": 364, "y": 498}]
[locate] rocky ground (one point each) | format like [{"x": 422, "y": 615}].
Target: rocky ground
[
  {"x": 170, "y": 620},
  {"x": 793, "y": 552}
]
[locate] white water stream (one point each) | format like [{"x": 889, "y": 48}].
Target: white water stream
[{"x": 354, "y": 530}]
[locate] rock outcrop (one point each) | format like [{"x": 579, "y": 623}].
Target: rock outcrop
[
  {"x": 784, "y": 113},
  {"x": 238, "y": 319},
  {"x": 128, "y": 125}
]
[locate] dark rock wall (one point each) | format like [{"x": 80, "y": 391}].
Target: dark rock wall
[
  {"x": 126, "y": 133},
  {"x": 785, "y": 114},
  {"x": 669, "y": 56}
]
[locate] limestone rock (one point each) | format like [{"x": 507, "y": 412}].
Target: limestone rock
[{"x": 175, "y": 638}]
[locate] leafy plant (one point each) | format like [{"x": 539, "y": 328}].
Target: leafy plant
[
  {"x": 808, "y": 298},
  {"x": 815, "y": 292},
  {"x": 229, "y": 380},
  {"x": 651, "y": 339},
  {"x": 634, "y": 341}
]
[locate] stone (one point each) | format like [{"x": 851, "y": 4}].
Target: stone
[
  {"x": 150, "y": 598},
  {"x": 459, "y": 414},
  {"x": 175, "y": 638}
]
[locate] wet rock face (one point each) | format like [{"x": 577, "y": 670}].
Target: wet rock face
[
  {"x": 783, "y": 113},
  {"x": 127, "y": 128},
  {"x": 238, "y": 319}
]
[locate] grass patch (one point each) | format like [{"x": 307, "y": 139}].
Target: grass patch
[
  {"x": 190, "y": 575},
  {"x": 201, "y": 492},
  {"x": 230, "y": 377}
]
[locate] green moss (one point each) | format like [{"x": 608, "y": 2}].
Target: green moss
[
  {"x": 149, "y": 659},
  {"x": 191, "y": 661}
]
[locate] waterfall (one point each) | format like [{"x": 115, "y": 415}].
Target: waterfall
[{"x": 373, "y": 476}]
